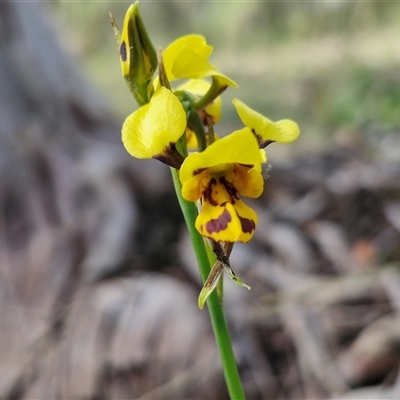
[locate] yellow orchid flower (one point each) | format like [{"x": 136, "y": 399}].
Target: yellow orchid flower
[
  {"x": 187, "y": 57},
  {"x": 219, "y": 175},
  {"x": 265, "y": 130},
  {"x": 153, "y": 129}
]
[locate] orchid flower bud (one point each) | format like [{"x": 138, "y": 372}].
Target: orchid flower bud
[{"x": 138, "y": 56}]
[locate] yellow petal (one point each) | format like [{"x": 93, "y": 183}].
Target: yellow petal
[
  {"x": 191, "y": 139},
  {"x": 196, "y": 86},
  {"x": 191, "y": 65},
  {"x": 214, "y": 110},
  {"x": 249, "y": 182},
  {"x": 248, "y": 220},
  {"x": 220, "y": 223},
  {"x": 197, "y": 43},
  {"x": 155, "y": 126},
  {"x": 218, "y": 194},
  {"x": 239, "y": 147},
  {"x": 284, "y": 131},
  {"x": 192, "y": 188},
  {"x": 227, "y": 222}
]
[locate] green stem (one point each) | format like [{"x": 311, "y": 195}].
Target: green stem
[
  {"x": 213, "y": 92},
  {"x": 218, "y": 320},
  {"x": 197, "y": 126}
]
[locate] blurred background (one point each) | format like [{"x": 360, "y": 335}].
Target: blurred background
[{"x": 98, "y": 283}]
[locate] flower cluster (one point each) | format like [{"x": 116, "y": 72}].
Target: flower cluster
[{"x": 175, "y": 125}]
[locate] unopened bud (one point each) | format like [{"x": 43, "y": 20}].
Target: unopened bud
[{"x": 138, "y": 56}]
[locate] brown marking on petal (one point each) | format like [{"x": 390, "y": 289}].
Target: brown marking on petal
[
  {"x": 198, "y": 171},
  {"x": 248, "y": 225},
  {"x": 219, "y": 224},
  {"x": 230, "y": 188},
  {"x": 265, "y": 143},
  {"x": 260, "y": 140},
  {"x": 170, "y": 156},
  {"x": 122, "y": 51},
  {"x": 207, "y": 192}
]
